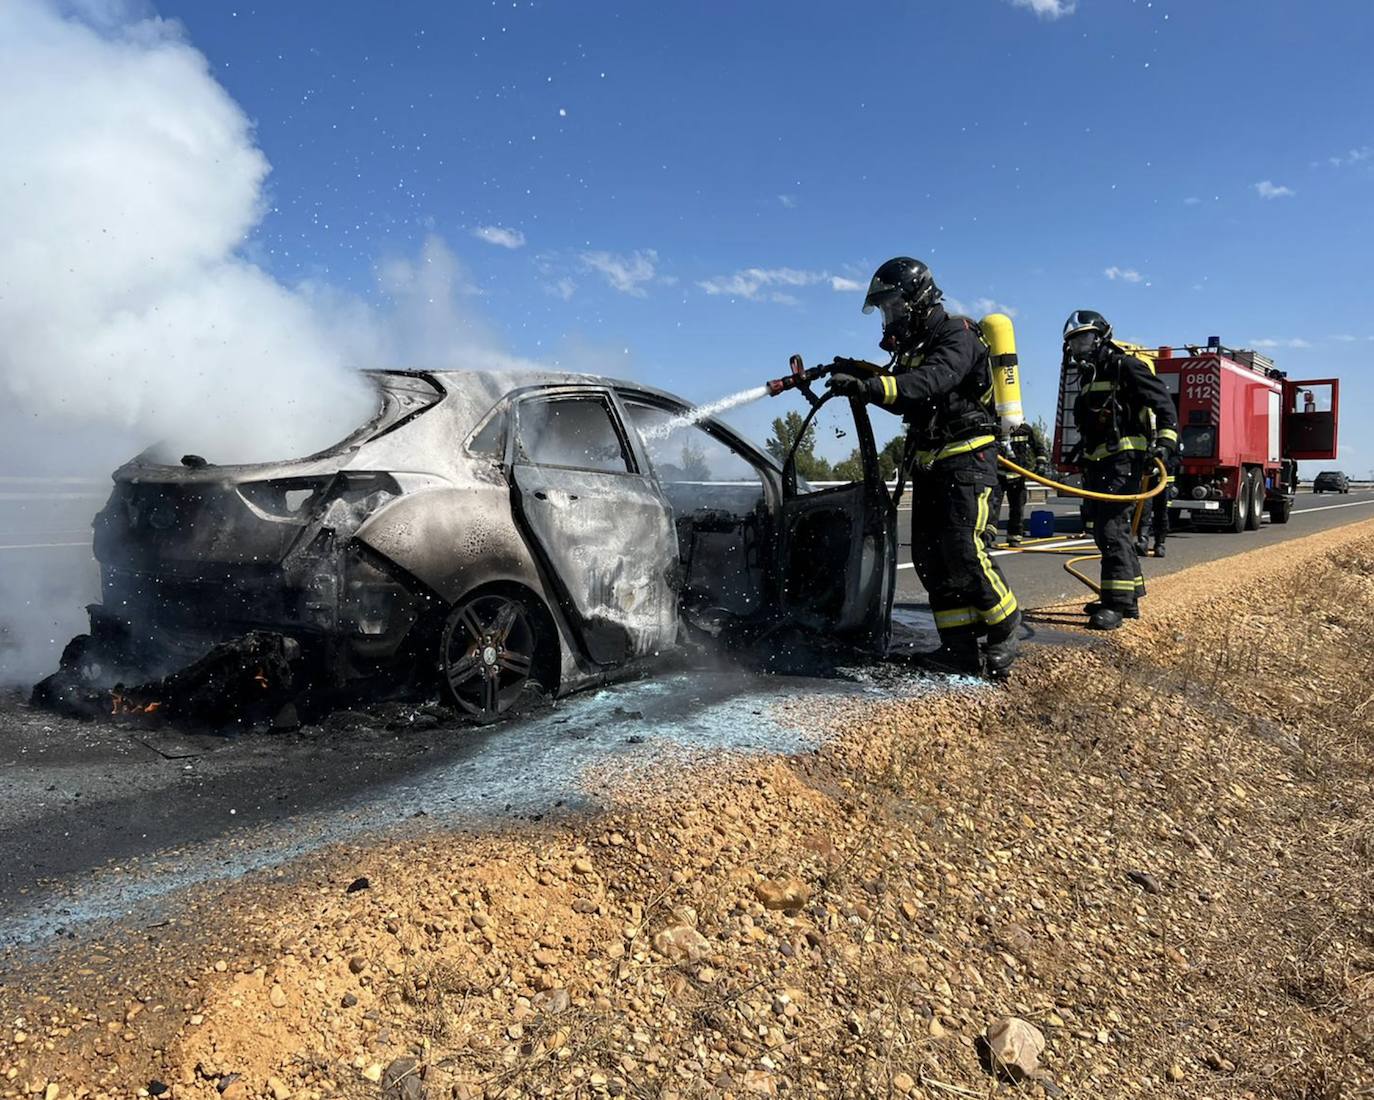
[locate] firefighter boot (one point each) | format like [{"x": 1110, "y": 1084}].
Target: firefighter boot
[
  {"x": 1159, "y": 548},
  {"x": 1013, "y": 540},
  {"x": 1132, "y": 612},
  {"x": 1004, "y": 643},
  {"x": 1109, "y": 618}
]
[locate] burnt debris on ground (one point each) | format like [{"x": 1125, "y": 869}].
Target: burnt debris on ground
[
  {"x": 249, "y": 681},
  {"x": 261, "y": 682}
]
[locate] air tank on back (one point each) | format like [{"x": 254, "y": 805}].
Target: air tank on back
[{"x": 1000, "y": 337}]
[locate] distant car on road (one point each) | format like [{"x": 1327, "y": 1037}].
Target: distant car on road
[
  {"x": 1331, "y": 481},
  {"x": 491, "y": 532}
]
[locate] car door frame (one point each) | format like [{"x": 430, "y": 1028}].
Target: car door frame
[
  {"x": 589, "y": 644},
  {"x": 864, "y": 617},
  {"x": 768, "y": 468}
]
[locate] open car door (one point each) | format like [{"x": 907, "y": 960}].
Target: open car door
[
  {"x": 1311, "y": 417},
  {"x": 838, "y": 542},
  {"x": 596, "y": 521}
]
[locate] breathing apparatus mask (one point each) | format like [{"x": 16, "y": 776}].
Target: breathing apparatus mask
[
  {"x": 1084, "y": 334},
  {"x": 1081, "y": 348},
  {"x": 900, "y": 327}
]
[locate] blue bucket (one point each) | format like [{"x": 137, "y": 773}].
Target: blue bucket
[{"x": 1041, "y": 524}]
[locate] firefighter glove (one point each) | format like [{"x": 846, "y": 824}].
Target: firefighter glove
[
  {"x": 1164, "y": 449},
  {"x": 847, "y": 385}
]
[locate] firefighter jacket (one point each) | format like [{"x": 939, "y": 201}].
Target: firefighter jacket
[
  {"x": 1114, "y": 407},
  {"x": 1026, "y": 450},
  {"x": 942, "y": 388}
]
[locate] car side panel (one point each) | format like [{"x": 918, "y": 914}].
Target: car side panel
[{"x": 453, "y": 540}]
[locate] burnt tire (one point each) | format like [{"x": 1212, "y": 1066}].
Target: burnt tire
[
  {"x": 1280, "y": 510},
  {"x": 489, "y": 655}
]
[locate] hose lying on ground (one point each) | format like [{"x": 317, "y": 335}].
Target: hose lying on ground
[{"x": 1139, "y": 499}]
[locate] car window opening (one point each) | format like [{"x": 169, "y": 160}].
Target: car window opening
[
  {"x": 719, "y": 508},
  {"x": 571, "y": 432}
]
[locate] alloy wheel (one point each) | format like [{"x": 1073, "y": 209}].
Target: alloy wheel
[{"x": 487, "y": 655}]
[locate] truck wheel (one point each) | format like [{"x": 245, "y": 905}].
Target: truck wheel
[
  {"x": 1280, "y": 510},
  {"x": 1255, "y": 480},
  {"x": 1240, "y": 507}
]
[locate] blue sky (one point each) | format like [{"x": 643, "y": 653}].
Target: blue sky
[{"x": 689, "y": 193}]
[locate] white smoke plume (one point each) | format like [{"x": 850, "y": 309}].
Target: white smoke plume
[{"x": 129, "y": 182}]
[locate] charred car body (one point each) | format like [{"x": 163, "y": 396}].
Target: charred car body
[{"x": 499, "y": 531}]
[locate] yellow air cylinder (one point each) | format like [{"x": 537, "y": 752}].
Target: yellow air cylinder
[
  {"x": 1006, "y": 374},
  {"x": 1139, "y": 351}
]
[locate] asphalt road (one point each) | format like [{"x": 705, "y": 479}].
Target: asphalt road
[{"x": 1040, "y": 579}]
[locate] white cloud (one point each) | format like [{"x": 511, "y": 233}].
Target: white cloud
[
  {"x": 1267, "y": 189},
  {"x": 985, "y": 306},
  {"x": 563, "y": 288},
  {"x": 1191, "y": 200},
  {"x": 979, "y": 307},
  {"x": 1294, "y": 342},
  {"x": 1125, "y": 274},
  {"x": 628, "y": 274},
  {"x": 753, "y": 281},
  {"x": 1048, "y": 9},
  {"x": 789, "y": 201},
  {"x": 499, "y": 235},
  {"x": 1352, "y": 156}
]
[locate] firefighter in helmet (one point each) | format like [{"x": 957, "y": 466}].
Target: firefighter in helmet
[
  {"x": 941, "y": 384},
  {"x": 1117, "y": 396},
  {"x": 1024, "y": 448}
]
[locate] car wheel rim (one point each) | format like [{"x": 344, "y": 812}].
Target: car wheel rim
[{"x": 488, "y": 655}]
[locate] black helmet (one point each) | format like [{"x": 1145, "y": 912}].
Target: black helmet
[
  {"x": 1085, "y": 331},
  {"x": 905, "y": 291}
]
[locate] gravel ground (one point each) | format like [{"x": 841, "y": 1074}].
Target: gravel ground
[{"x": 1155, "y": 851}]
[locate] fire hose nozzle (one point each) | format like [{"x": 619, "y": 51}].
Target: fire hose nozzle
[{"x": 801, "y": 376}]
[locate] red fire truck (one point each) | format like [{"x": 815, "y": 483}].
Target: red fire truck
[{"x": 1243, "y": 428}]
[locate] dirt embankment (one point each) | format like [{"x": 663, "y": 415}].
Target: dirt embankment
[{"x": 1157, "y": 850}]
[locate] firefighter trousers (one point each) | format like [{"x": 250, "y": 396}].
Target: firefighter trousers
[
  {"x": 1158, "y": 513},
  {"x": 950, "y": 505},
  {"x": 1122, "y": 581},
  {"x": 1013, "y": 489}
]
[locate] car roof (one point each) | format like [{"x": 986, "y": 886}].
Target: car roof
[{"x": 483, "y": 389}]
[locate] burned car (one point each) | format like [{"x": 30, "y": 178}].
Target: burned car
[{"x": 493, "y": 533}]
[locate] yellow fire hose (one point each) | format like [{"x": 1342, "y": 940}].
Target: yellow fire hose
[{"x": 1162, "y": 480}]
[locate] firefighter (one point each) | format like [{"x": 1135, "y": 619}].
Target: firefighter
[
  {"x": 1027, "y": 451},
  {"x": 1117, "y": 396},
  {"x": 941, "y": 384},
  {"x": 1158, "y": 514}
]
